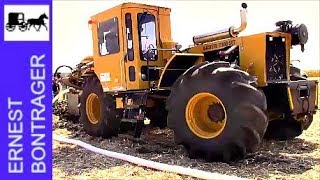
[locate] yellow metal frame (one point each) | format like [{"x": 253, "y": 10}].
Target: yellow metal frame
[
  {"x": 252, "y": 49},
  {"x": 290, "y": 98}
]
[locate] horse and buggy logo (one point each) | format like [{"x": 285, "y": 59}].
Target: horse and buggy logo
[{"x": 17, "y": 19}]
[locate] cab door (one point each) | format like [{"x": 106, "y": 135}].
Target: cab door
[
  {"x": 129, "y": 43},
  {"x": 140, "y": 45},
  {"x": 108, "y": 51}
]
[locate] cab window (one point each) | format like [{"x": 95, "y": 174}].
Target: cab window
[
  {"x": 130, "y": 51},
  {"x": 108, "y": 33},
  {"x": 147, "y": 37}
]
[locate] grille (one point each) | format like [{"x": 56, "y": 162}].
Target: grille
[{"x": 276, "y": 58}]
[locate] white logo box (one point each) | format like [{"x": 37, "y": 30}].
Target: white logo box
[{"x": 30, "y": 12}]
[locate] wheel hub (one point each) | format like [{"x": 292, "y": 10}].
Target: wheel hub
[
  {"x": 216, "y": 112},
  {"x": 93, "y": 108},
  {"x": 205, "y": 115}
]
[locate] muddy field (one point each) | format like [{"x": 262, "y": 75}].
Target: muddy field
[{"x": 294, "y": 159}]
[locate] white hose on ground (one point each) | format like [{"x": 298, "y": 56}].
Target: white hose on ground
[
  {"x": 147, "y": 163},
  {"x": 143, "y": 162}
]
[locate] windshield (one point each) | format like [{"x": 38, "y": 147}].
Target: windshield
[{"x": 147, "y": 37}]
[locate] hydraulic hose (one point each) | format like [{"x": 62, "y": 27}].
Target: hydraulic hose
[
  {"x": 142, "y": 162},
  {"x": 57, "y": 69}
]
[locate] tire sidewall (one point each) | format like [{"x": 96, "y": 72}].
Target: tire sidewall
[
  {"x": 210, "y": 86},
  {"x": 95, "y": 129}
]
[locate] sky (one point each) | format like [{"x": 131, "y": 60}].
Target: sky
[{"x": 72, "y": 40}]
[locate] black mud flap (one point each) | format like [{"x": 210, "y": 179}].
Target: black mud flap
[{"x": 303, "y": 96}]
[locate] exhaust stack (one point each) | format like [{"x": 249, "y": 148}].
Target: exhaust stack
[{"x": 226, "y": 33}]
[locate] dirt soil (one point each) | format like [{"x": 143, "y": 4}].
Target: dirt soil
[{"x": 294, "y": 159}]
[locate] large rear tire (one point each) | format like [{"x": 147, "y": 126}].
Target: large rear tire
[
  {"x": 98, "y": 112},
  {"x": 287, "y": 128},
  {"x": 216, "y": 114},
  {"x": 297, "y": 74}
]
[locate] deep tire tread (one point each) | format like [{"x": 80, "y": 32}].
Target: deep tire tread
[
  {"x": 228, "y": 79},
  {"x": 286, "y": 129},
  {"x": 109, "y": 122}
]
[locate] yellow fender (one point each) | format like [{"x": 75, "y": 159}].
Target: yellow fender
[{"x": 176, "y": 66}]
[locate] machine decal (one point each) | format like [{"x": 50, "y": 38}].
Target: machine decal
[
  {"x": 105, "y": 77},
  {"x": 118, "y": 88},
  {"x": 219, "y": 45}
]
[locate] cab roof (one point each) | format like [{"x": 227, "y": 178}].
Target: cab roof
[{"x": 132, "y": 5}]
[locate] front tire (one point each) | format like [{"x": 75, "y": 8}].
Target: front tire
[
  {"x": 242, "y": 114},
  {"x": 98, "y": 112}
]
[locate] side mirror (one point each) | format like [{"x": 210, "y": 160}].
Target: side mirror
[{"x": 178, "y": 46}]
